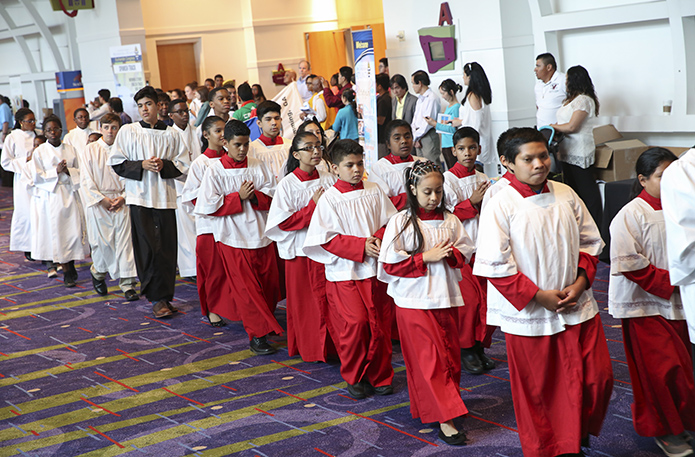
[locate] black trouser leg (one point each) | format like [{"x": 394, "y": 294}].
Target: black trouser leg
[{"x": 582, "y": 181}]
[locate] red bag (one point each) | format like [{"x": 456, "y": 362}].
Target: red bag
[{"x": 279, "y": 76}]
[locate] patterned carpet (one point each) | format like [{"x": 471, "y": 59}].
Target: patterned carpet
[{"x": 87, "y": 375}]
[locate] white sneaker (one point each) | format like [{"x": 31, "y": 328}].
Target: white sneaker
[{"x": 674, "y": 446}]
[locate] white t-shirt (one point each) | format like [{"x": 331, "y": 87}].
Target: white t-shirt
[{"x": 549, "y": 98}]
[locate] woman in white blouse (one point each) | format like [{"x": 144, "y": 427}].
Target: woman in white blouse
[{"x": 577, "y": 119}]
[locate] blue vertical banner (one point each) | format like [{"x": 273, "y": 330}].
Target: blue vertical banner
[{"x": 365, "y": 81}]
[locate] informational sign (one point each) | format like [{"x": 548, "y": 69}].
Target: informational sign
[
  {"x": 126, "y": 62},
  {"x": 365, "y": 80},
  {"x": 72, "y": 4},
  {"x": 16, "y": 92},
  {"x": 69, "y": 81}
]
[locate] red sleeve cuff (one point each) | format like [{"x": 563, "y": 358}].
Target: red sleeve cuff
[
  {"x": 413, "y": 267},
  {"x": 465, "y": 210},
  {"x": 457, "y": 260},
  {"x": 300, "y": 219},
  {"x": 347, "y": 247},
  {"x": 263, "y": 201},
  {"x": 399, "y": 201},
  {"x": 654, "y": 280},
  {"x": 232, "y": 205},
  {"x": 380, "y": 233},
  {"x": 588, "y": 264},
  {"x": 517, "y": 289}
]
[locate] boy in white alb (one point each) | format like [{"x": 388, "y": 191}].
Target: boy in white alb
[
  {"x": 345, "y": 235},
  {"x": 107, "y": 218},
  {"x": 150, "y": 156},
  {"x": 677, "y": 190},
  {"x": 288, "y": 221},
  {"x": 185, "y": 220},
  {"x": 237, "y": 191},
  {"x": 56, "y": 218},
  {"x": 270, "y": 147},
  {"x": 538, "y": 246},
  {"x": 464, "y": 188},
  {"x": 79, "y": 136},
  {"x": 388, "y": 172}
]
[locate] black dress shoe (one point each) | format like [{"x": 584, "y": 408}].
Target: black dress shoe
[
  {"x": 487, "y": 362},
  {"x": 260, "y": 346},
  {"x": 131, "y": 295},
  {"x": 70, "y": 277},
  {"x": 384, "y": 390},
  {"x": 27, "y": 255},
  {"x": 219, "y": 323},
  {"x": 357, "y": 391},
  {"x": 470, "y": 362},
  {"x": 99, "y": 285},
  {"x": 458, "y": 439}
]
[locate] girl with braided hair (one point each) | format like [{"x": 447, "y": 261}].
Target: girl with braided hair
[{"x": 423, "y": 249}]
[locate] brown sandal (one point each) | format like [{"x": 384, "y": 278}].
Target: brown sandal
[{"x": 161, "y": 309}]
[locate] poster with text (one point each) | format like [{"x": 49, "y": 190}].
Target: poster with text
[
  {"x": 366, "y": 94},
  {"x": 126, "y": 62}
]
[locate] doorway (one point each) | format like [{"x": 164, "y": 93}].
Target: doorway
[{"x": 177, "y": 65}]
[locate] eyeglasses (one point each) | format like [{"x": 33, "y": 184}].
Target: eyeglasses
[
  {"x": 312, "y": 148},
  {"x": 29, "y": 121},
  {"x": 54, "y": 129}
]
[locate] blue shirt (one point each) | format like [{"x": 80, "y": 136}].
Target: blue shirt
[
  {"x": 346, "y": 124},
  {"x": 447, "y": 138},
  {"x": 6, "y": 116}
]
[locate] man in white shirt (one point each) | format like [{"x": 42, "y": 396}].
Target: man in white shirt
[
  {"x": 96, "y": 113},
  {"x": 550, "y": 89},
  {"x": 425, "y": 137},
  {"x": 302, "y": 86}
]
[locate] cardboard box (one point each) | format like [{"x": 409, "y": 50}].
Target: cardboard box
[{"x": 615, "y": 160}]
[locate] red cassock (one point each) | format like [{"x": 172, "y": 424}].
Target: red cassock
[
  {"x": 554, "y": 411},
  {"x": 472, "y": 321},
  {"x": 213, "y": 290}
]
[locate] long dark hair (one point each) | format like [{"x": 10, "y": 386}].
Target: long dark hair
[
  {"x": 349, "y": 95},
  {"x": 413, "y": 175},
  {"x": 478, "y": 84},
  {"x": 207, "y": 124},
  {"x": 324, "y": 141},
  {"x": 646, "y": 165},
  {"x": 292, "y": 161},
  {"x": 579, "y": 83}
]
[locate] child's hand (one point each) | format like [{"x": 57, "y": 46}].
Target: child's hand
[
  {"x": 246, "y": 190},
  {"x": 106, "y": 203},
  {"x": 479, "y": 192},
  {"x": 154, "y": 164},
  {"x": 372, "y": 246},
  {"x": 318, "y": 194},
  {"x": 550, "y": 299},
  {"x": 572, "y": 293},
  {"x": 117, "y": 203},
  {"x": 62, "y": 167},
  {"x": 430, "y": 121},
  {"x": 440, "y": 251}
]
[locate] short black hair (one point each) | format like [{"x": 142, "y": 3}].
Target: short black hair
[
  {"x": 502, "y": 140},
  {"x": 175, "y": 102},
  {"x": 266, "y": 107},
  {"x": 400, "y": 80},
  {"x": 466, "y": 132},
  {"x": 78, "y": 110},
  {"x": 235, "y": 128},
  {"x": 342, "y": 148},
  {"x": 548, "y": 59},
  {"x": 116, "y": 104},
  {"x": 146, "y": 92},
  {"x": 385, "y": 61},
  {"x": 211, "y": 80},
  {"x": 52, "y": 118},
  {"x": 211, "y": 94},
  {"x": 110, "y": 118},
  {"x": 393, "y": 125},
  {"x": 346, "y": 72},
  {"x": 244, "y": 92},
  {"x": 519, "y": 137},
  {"x": 219, "y": 76},
  {"x": 105, "y": 94},
  {"x": 421, "y": 77},
  {"x": 382, "y": 79},
  {"x": 163, "y": 97}
]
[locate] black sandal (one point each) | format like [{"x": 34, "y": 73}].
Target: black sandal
[{"x": 219, "y": 323}]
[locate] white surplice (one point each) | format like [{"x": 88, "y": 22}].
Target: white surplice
[
  {"x": 540, "y": 236},
  {"x": 439, "y": 288},
  {"x": 638, "y": 239},
  {"x": 243, "y": 230},
  {"x": 390, "y": 176},
  {"x": 56, "y": 216},
  {"x": 274, "y": 156},
  {"x": 185, "y": 219},
  {"x": 293, "y": 195},
  {"x": 358, "y": 213},
  {"x": 196, "y": 172},
  {"x": 108, "y": 231},
  {"x": 17, "y": 147},
  {"x": 457, "y": 190},
  {"x": 133, "y": 142},
  {"x": 677, "y": 190},
  {"x": 78, "y": 139}
]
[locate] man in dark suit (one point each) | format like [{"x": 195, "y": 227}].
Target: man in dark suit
[{"x": 403, "y": 106}]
